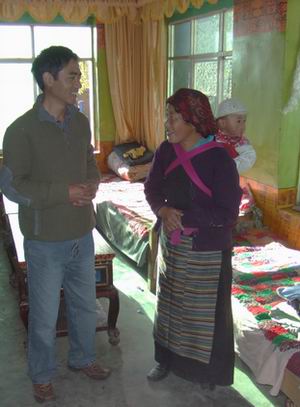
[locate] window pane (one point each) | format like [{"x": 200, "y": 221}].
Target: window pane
[
  {"x": 227, "y": 84},
  {"x": 16, "y": 93},
  {"x": 228, "y": 30},
  {"x": 182, "y": 39},
  {"x": 78, "y": 39},
  {"x": 206, "y": 79},
  {"x": 180, "y": 70},
  {"x": 85, "y": 97},
  {"x": 207, "y": 34},
  {"x": 15, "y": 42}
]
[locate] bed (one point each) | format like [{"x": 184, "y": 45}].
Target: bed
[
  {"x": 126, "y": 221},
  {"x": 261, "y": 263},
  {"x": 267, "y": 328}
]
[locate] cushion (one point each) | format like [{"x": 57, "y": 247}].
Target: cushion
[
  {"x": 133, "y": 153},
  {"x": 124, "y": 171}
]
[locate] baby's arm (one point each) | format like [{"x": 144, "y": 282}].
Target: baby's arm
[{"x": 246, "y": 158}]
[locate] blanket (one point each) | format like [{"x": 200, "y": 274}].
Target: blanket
[
  {"x": 129, "y": 199},
  {"x": 257, "y": 272}
]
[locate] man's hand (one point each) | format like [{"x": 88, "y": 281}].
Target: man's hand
[
  {"x": 171, "y": 218},
  {"x": 82, "y": 194}
]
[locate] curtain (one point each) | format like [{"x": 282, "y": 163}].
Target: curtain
[
  {"x": 106, "y": 11},
  {"x": 136, "y": 61}
]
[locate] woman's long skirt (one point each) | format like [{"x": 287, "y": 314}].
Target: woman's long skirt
[{"x": 193, "y": 330}]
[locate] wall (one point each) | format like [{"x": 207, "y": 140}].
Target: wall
[
  {"x": 258, "y": 61},
  {"x": 266, "y": 41},
  {"x": 290, "y": 135}
]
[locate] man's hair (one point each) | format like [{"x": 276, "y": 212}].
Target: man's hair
[{"x": 52, "y": 60}]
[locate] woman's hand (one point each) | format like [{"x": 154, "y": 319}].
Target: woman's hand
[{"x": 171, "y": 218}]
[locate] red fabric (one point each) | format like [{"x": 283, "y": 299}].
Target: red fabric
[
  {"x": 256, "y": 309},
  {"x": 195, "y": 108},
  {"x": 230, "y": 149},
  {"x": 227, "y": 139},
  {"x": 235, "y": 290},
  {"x": 275, "y": 331}
]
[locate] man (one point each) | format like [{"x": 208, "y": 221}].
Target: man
[{"x": 49, "y": 161}]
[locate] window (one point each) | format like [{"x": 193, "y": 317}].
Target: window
[
  {"x": 200, "y": 55},
  {"x": 19, "y": 45}
]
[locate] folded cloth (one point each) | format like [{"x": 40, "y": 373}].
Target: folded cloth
[{"x": 289, "y": 293}]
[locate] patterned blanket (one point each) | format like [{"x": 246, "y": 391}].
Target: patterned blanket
[
  {"x": 257, "y": 272},
  {"x": 129, "y": 199}
]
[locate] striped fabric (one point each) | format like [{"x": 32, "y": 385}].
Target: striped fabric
[{"x": 187, "y": 294}]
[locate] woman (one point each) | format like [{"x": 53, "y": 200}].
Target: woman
[{"x": 193, "y": 188}]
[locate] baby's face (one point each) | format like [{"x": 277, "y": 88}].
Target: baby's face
[{"x": 233, "y": 125}]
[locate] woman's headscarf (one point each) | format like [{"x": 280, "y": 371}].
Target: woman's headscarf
[{"x": 195, "y": 108}]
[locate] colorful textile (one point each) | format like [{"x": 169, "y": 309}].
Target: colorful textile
[
  {"x": 187, "y": 294},
  {"x": 195, "y": 108},
  {"x": 233, "y": 141},
  {"x": 257, "y": 273},
  {"x": 265, "y": 262},
  {"x": 124, "y": 217},
  {"x": 129, "y": 199}
]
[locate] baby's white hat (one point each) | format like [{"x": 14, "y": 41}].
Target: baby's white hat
[{"x": 230, "y": 106}]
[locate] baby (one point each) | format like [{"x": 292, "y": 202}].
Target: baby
[{"x": 231, "y": 120}]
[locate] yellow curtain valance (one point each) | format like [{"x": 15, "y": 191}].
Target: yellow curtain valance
[{"x": 105, "y": 11}]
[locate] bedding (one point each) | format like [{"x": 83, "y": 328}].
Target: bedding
[
  {"x": 125, "y": 171},
  {"x": 133, "y": 153},
  {"x": 267, "y": 328},
  {"x": 124, "y": 217}
]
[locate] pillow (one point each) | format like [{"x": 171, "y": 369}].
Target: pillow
[
  {"x": 133, "y": 153},
  {"x": 124, "y": 171}
]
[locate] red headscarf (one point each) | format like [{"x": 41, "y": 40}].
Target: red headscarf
[{"x": 195, "y": 108}]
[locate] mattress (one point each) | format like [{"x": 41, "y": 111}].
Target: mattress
[{"x": 124, "y": 217}]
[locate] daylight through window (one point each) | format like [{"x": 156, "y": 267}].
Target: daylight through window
[
  {"x": 200, "y": 55},
  {"x": 19, "y": 45}
]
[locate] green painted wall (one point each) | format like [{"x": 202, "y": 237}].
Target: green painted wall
[
  {"x": 257, "y": 81},
  {"x": 290, "y": 135},
  {"x": 263, "y": 68},
  {"x": 106, "y": 116}
]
